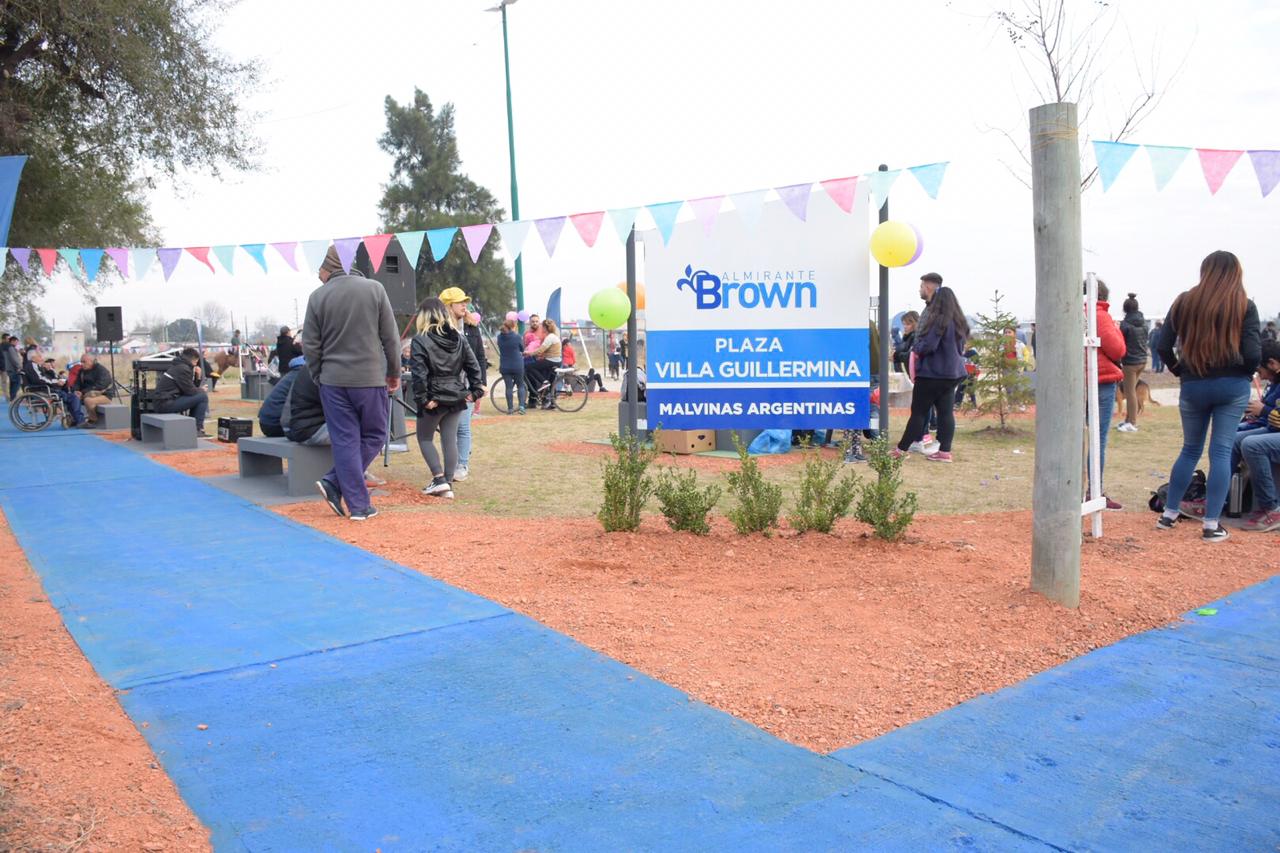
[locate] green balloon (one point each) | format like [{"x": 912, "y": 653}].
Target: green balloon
[{"x": 609, "y": 308}]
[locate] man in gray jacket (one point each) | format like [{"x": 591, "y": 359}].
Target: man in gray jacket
[{"x": 352, "y": 349}]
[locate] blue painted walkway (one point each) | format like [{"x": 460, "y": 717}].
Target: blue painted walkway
[{"x": 353, "y": 704}]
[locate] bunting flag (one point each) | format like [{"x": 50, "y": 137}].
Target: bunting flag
[
  {"x": 201, "y": 254},
  {"x": 1217, "y": 164},
  {"x": 121, "y": 259},
  {"x": 881, "y": 183},
  {"x": 750, "y": 206},
  {"x": 23, "y": 257},
  {"x": 476, "y": 236},
  {"x": 440, "y": 240},
  {"x": 4, "y": 259},
  {"x": 1266, "y": 165},
  {"x": 411, "y": 244},
  {"x": 1165, "y": 160},
  {"x": 549, "y": 230},
  {"x": 289, "y": 251},
  {"x": 346, "y": 247},
  {"x": 1111, "y": 157},
  {"x": 92, "y": 261},
  {"x": 553, "y": 307},
  {"x": 142, "y": 259},
  {"x": 706, "y": 210},
  {"x": 313, "y": 252},
  {"x": 624, "y": 219},
  {"x": 376, "y": 246},
  {"x": 842, "y": 191},
  {"x": 257, "y": 251},
  {"x": 72, "y": 257},
  {"x": 664, "y": 216},
  {"x": 588, "y": 226},
  {"x": 796, "y": 198},
  {"x": 513, "y": 235},
  {"x": 48, "y": 257},
  {"x": 930, "y": 177},
  {"x": 10, "y": 175},
  {"x": 168, "y": 260},
  {"x": 226, "y": 256}
]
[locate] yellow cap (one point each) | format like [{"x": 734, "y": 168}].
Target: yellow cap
[{"x": 450, "y": 295}]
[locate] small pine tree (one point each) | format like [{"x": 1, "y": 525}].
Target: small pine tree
[
  {"x": 879, "y": 504},
  {"x": 627, "y": 484},
  {"x": 759, "y": 501},
  {"x": 1002, "y": 385}
]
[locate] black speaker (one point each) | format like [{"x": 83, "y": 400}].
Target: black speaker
[
  {"x": 397, "y": 275},
  {"x": 110, "y": 324}
]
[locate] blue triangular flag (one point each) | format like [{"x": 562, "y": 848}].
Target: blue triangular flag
[
  {"x": 1111, "y": 157},
  {"x": 314, "y": 251},
  {"x": 1165, "y": 160},
  {"x": 440, "y": 240},
  {"x": 257, "y": 251},
  {"x": 92, "y": 260},
  {"x": 664, "y": 216},
  {"x": 10, "y": 174},
  {"x": 881, "y": 182},
  {"x": 411, "y": 244},
  {"x": 226, "y": 256},
  {"x": 72, "y": 257},
  {"x": 623, "y": 220},
  {"x": 930, "y": 177},
  {"x": 141, "y": 261}
]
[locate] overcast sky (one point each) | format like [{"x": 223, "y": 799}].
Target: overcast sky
[{"x": 622, "y": 104}]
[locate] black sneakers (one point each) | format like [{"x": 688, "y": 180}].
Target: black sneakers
[
  {"x": 1218, "y": 534},
  {"x": 331, "y": 495},
  {"x": 1165, "y": 523},
  {"x": 364, "y": 515}
]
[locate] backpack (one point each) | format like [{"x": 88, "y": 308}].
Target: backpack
[{"x": 1196, "y": 490}]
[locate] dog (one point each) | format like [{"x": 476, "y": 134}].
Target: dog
[{"x": 1144, "y": 397}]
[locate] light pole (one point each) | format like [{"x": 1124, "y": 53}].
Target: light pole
[{"x": 511, "y": 146}]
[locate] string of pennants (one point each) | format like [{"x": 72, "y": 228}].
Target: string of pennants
[
  {"x": 1216, "y": 163},
  {"x": 137, "y": 262}
]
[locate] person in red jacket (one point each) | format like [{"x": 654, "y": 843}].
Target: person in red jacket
[{"x": 1110, "y": 374}]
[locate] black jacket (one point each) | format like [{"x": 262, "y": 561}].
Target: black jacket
[
  {"x": 1136, "y": 343},
  {"x": 178, "y": 381},
  {"x": 476, "y": 340},
  {"x": 96, "y": 378},
  {"x": 32, "y": 377},
  {"x": 286, "y": 351},
  {"x": 444, "y": 369},
  {"x": 269, "y": 411},
  {"x": 306, "y": 414},
  {"x": 1244, "y": 363}
]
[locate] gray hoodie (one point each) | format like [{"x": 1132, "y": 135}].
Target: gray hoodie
[{"x": 349, "y": 337}]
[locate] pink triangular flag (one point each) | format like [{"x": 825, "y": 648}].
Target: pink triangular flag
[
  {"x": 201, "y": 254},
  {"x": 121, "y": 258},
  {"x": 476, "y": 236},
  {"x": 48, "y": 257},
  {"x": 588, "y": 226},
  {"x": 842, "y": 191},
  {"x": 796, "y": 198},
  {"x": 549, "y": 229},
  {"x": 705, "y": 210},
  {"x": 1217, "y": 164},
  {"x": 376, "y": 246},
  {"x": 289, "y": 251},
  {"x": 23, "y": 257}
]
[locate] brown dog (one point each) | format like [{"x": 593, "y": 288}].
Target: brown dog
[{"x": 1144, "y": 397}]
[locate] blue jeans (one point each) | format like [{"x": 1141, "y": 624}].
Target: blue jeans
[
  {"x": 1205, "y": 402},
  {"x": 1106, "y": 408},
  {"x": 1241, "y": 435},
  {"x": 197, "y": 405},
  {"x": 1261, "y": 451},
  {"x": 512, "y": 380},
  {"x": 464, "y": 435},
  {"x": 72, "y": 402},
  {"x": 15, "y": 385},
  {"x": 357, "y": 422}
]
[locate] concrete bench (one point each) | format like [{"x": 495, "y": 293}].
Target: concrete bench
[
  {"x": 113, "y": 416},
  {"x": 173, "y": 432},
  {"x": 265, "y": 457}
]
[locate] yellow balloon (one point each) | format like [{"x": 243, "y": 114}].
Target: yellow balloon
[
  {"x": 622, "y": 285},
  {"x": 893, "y": 244}
]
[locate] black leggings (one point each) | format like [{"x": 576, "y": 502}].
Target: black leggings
[{"x": 927, "y": 394}]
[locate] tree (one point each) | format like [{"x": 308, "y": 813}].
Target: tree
[
  {"x": 153, "y": 325},
  {"x": 32, "y": 323},
  {"x": 87, "y": 322},
  {"x": 1002, "y": 385},
  {"x": 100, "y": 94},
  {"x": 427, "y": 189},
  {"x": 180, "y": 332},
  {"x": 215, "y": 320},
  {"x": 265, "y": 329}
]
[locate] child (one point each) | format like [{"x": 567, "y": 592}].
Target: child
[
  {"x": 511, "y": 362},
  {"x": 1259, "y": 444}
]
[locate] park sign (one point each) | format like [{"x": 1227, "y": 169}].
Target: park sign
[{"x": 760, "y": 327}]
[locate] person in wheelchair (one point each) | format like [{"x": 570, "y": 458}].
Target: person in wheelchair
[{"x": 39, "y": 377}]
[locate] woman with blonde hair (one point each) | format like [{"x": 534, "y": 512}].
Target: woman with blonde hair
[
  {"x": 547, "y": 356},
  {"x": 1211, "y": 342},
  {"x": 446, "y": 380}
]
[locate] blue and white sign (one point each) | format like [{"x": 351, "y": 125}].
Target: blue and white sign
[{"x": 761, "y": 327}]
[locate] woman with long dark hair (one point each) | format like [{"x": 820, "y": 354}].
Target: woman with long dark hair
[
  {"x": 1211, "y": 342},
  {"x": 939, "y": 348}
]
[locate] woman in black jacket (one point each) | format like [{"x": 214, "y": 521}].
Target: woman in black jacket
[{"x": 446, "y": 379}]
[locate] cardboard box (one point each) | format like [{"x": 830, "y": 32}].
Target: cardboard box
[
  {"x": 686, "y": 440},
  {"x": 232, "y": 430}
]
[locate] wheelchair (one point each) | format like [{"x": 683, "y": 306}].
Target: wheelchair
[{"x": 35, "y": 409}]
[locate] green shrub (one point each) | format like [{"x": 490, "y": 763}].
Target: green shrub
[
  {"x": 626, "y": 484},
  {"x": 822, "y": 498},
  {"x": 683, "y": 502},
  {"x": 759, "y": 501},
  {"x": 879, "y": 504}
]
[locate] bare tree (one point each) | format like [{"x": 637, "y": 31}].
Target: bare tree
[
  {"x": 215, "y": 320},
  {"x": 265, "y": 329},
  {"x": 1066, "y": 48}
]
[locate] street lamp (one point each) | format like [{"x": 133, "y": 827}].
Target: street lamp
[{"x": 511, "y": 146}]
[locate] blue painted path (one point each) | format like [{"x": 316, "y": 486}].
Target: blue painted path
[{"x": 351, "y": 703}]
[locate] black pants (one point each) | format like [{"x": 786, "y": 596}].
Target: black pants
[{"x": 927, "y": 394}]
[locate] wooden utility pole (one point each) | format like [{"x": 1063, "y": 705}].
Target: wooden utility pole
[{"x": 1055, "y": 192}]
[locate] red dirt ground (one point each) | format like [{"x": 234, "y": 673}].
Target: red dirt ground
[{"x": 74, "y": 772}]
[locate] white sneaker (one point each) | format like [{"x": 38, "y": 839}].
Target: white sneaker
[
  {"x": 1125, "y": 426},
  {"x": 923, "y": 448},
  {"x": 460, "y": 473}
]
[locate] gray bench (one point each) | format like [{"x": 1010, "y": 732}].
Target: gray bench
[
  {"x": 173, "y": 432},
  {"x": 265, "y": 457},
  {"x": 113, "y": 416}
]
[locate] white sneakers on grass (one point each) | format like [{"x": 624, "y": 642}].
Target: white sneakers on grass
[{"x": 1125, "y": 426}]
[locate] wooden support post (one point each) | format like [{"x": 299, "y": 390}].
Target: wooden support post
[{"x": 1055, "y": 191}]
